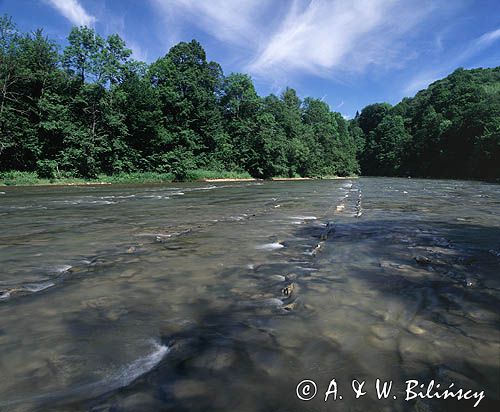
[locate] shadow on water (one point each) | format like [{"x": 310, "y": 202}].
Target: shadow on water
[
  {"x": 388, "y": 299},
  {"x": 438, "y": 285}
]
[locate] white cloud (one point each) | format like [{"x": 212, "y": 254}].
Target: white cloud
[
  {"x": 73, "y": 11},
  {"x": 487, "y": 38},
  {"x": 426, "y": 77},
  {"x": 138, "y": 53},
  {"x": 322, "y": 35},
  {"x": 422, "y": 80},
  {"x": 482, "y": 42},
  {"x": 234, "y": 22},
  {"x": 339, "y": 105}
]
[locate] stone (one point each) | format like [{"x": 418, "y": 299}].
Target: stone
[
  {"x": 416, "y": 330},
  {"x": 138, "y": 402},
  {"x": 422, "y": 260},
  {"x": 216, "y": 358},
  {"x": 289, "y": 290},
  {"x": 188, "y": 388}
]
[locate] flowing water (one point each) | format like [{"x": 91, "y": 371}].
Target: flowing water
[{"x": 225, "y": 296}]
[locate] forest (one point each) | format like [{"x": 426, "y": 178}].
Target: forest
[
  {"x": 449, "y": 130},
  {"x": 90, "y": 110}
]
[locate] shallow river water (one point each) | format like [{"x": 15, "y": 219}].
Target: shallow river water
[{"x": 223, "y": 297}]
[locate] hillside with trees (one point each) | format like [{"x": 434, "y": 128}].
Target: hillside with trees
[{"x": 450, "y": 130}]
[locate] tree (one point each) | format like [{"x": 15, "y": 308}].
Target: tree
[
  {"x": 390, "y": 138},
  {"x": 372, "y": 115},
  {"x": 240, "y": 107},
  {"x": 28, "y": 71},
  {"x": 188, "y": 86},
  {"x": 450, "y": 129}
]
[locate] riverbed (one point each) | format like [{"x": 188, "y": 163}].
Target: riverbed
[{"x": 225, "y": 296}]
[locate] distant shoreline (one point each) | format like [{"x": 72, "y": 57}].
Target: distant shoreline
[{"x": 139, "y": 179}]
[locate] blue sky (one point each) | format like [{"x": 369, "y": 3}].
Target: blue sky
[{"x": 349, "y": 53}]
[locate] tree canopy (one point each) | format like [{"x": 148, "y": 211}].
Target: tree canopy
[
  {"x": 451, "y": 129},
  {"x": 91, "y": 109}
]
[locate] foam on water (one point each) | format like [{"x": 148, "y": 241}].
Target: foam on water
[
  {"x": 157, "y": 197},
  {"x": 119, "y": 379},
  {"x": 63, "y": 268},
  {"x": 37, "y": 287},
  {"x": 204, "y": 188},
  {"x": 273, "y": 302},
  {"x": 116, "y": 197},
  {"x": 126, "y": 375},
  {"x": 85, "y": 202},
  {"x": 270, "y": 246},
  {"x": 307, "y": 269}
]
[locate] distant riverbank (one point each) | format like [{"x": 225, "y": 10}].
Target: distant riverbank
[{"x": 32, "y": 179}]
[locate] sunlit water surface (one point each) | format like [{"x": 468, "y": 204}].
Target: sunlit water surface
[{"x": 224, "y": 296}]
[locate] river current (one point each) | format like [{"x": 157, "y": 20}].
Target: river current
[{"x": 225, "y": 296}]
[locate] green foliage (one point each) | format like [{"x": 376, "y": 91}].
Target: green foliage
[
  {"x": 451, "y": 129},
  {"x": 47, "y": 169},
  {"x": 200, "y": 174},
  {"x": 136, "y": 177},
  {"x": 91, "y": 112},
  {"x": 15, "y": 177}
]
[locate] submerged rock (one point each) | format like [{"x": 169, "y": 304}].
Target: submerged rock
[
  {"x": 422, "y": 260},
  {"x": 188, "y": 388},
  {"x": 471, "y": 282},
  {"x": 384, "y": 332},
  {"x": 289, "y": 289},
  {"x": 290, "y": 306},
  {"x": 215, "y": 359},
  {"x": 138, "y": 402},
  {"x": 115, "y": 314},
  {"x": 416, "y": 330}
]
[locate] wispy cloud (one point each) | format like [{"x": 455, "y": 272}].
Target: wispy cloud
[
  {"x": 482, "y": 42},
  {"x": 487, "y": 38},
  {"x": 112, "y": 22},
  {"x": 422, "y": 80},
  {"x": 279, "y": 41},
  {"x": 73, "y": 11},
  {"x": 233, "y": 22},
  {"x": 426, "y": 77},
  {"x": 322, "y": 35}
]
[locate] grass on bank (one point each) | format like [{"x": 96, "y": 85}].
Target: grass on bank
[{"x": 16, "y": 178}]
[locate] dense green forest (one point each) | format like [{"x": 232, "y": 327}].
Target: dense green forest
[
  {"x": 450, "y": 129},
  {"x": 91, "y": 109}
]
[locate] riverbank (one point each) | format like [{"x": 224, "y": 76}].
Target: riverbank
[{"x": 32, "y": 179}]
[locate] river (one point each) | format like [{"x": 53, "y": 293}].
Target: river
[{"x": 224, "y": 296}]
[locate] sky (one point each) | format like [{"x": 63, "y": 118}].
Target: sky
[{"x": 349, "y": 53}]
